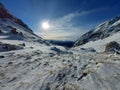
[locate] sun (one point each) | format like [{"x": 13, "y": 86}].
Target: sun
[{"x": 45, "y": 25}]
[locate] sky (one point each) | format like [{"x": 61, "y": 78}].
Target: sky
[{"x": 67, "y": 19}]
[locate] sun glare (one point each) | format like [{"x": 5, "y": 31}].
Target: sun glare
[{"x": 45, "y": 25}]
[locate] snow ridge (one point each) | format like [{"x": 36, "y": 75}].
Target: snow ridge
[{"x": 102, "y": 31}]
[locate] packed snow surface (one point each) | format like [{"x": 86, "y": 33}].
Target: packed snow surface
[{"x": 42, "y": 68}]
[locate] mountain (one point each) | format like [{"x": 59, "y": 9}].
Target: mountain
[
  {"x": 102, "y": 31},
  {"x": 101, "y": 35},
  {"x": 68, "y": 44},
  {"x": 27, "y": 62},
  {"x": 4, "y": 13},
  {"x": 13, "y": 32}
]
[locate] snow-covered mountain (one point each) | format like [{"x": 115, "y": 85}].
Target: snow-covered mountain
[
  {"x": 14, "y": 33},
  {"x": 4, "y": 13},
  {"x": 37, "y": 65},
  {"x": 101, "y": 35},
  {"x": 102, "y": 31}
]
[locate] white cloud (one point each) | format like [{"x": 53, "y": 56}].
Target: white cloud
[
  {"x": 63, "y": 26},
  {"x": 66, "y": 20}
]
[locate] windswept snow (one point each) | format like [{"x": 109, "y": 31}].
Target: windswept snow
[
  {"x": 100, "y": 44},
  {"x": 27, "y": 62},
  {"x": 116, "y": 23},
  {"x": 34, "y": 69}
]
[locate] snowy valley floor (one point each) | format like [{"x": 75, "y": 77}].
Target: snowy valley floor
[{"x": 34, "y": 69}]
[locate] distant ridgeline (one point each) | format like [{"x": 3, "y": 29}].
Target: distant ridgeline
[{"x": 62, "y": 43}]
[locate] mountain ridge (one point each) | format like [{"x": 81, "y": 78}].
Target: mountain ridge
[
  {"x": 102, "y": 31},
  {"x": 14, "y": 33},
  {"x": 4, "y": 13}
]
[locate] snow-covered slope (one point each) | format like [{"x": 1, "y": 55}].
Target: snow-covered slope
[
  {"x": 4, "y": 13},
  {"x": 9, "y": 30},
  {"x": 99, "y": 45},
  {"x": 36, "y": 65},
  {"x": 101, "y": 32},
  {"x": 14, "y": 33},
  {"x": 43, "y": 69}
]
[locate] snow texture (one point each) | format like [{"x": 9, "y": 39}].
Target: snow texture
[{"x": 27, "y": 62}]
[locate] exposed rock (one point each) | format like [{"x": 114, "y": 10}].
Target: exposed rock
[
  {"x": 21, "y": 34},
  {"x": 10, "y": 63},
  {"x": 88, "y": 49},
  {"x": 2, "y": 56},
  {"x": 14, "y": 31},
  {"x": 0, "y": 31},
  {"x": 9, "y": 47},
  {"x": 112, "y": 46},
  {"x": 55, "y": 49},
  {"x": 5, "y": 14},
  {"x": 22, "y": 45}
]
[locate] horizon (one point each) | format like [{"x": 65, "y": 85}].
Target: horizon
[{"x": 60, "y": 19}]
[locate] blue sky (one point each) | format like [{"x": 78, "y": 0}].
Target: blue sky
[{"x": 68, "y": 18}]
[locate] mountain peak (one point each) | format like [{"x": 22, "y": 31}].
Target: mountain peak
[
  {"x": 12, "y": 28},
  {"x": 4, "y": 13},
  {"x": 117, "y": 18},
  {"x": 1, "y": 5},
  {"x": 102, "y": 31}
]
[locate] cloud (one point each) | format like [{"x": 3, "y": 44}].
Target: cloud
[
  {"x": 63, "y": 27},
  {"x": 59, "y": 35},
  {"x": 66, "y": 20}
]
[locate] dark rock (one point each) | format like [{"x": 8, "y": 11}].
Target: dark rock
[
  {"x": 10, "y": 63},
  {"x": 14, "y": 78},
  {"x": 31, "y": 47},
  {"x": 21, "y": 34},
  {"x": 51, "y": 54},
  {"x": 55, "y": 49},
  {"x": 2, "y": 56},
  {"x": 112, "y": 46},
  {"x": 88, "y": 49},
  {"x": 9, "y": 47},
  {"x": 83, "y": 75},
  {"x": 23, "y": 44},
  {"x": 14, "y": 31},
  {"x": 0, "y": 31}
]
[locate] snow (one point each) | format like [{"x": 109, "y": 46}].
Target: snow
[
  {"x": 100, "y": 45},
  {"x": 6, "y": 26},
  {"x": 35, "y": 69},
  {"x": 102, "y": 31},
  {"x": 105, "y": 25},
  {"x": 42, "y": 66},
  {"x": 116, "y": 23}
]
